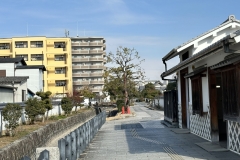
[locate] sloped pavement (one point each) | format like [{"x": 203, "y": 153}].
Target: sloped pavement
[{"x": 143, "y": 137}]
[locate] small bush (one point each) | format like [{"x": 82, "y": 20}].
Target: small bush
[
  {"x": 34, "y": 108},
  {"x": 120, "y": 103},
  {"x": 11, "y": 114},
  {"x": 66, "y": 104}
]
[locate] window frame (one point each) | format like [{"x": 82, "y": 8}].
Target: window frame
[
  {"x": 230, "y": 109},
  {"x": 197, "y": 98},
  {"x": 24, "y": 95}
]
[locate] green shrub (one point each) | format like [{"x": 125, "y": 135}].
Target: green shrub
[
  {"x": 34, "y": 108},
  {"x": 66, "y": 105},
  {"x": 120, "y": 103},
  {"x": 11, "y": 114}
]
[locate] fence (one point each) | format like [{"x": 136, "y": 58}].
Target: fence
[
  {"x": 72, "y": 145},
  {"x": 171, "y": 106}
]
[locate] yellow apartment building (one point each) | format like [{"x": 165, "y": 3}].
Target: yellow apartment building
[{"x": 54, "y": 53}]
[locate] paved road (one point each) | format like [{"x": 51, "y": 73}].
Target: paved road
[{"x": 144, "y": 137}]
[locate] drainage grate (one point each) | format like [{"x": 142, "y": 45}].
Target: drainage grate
[
  {"x": 131, "y": 126},
  {"x": 172, "y": 153}
]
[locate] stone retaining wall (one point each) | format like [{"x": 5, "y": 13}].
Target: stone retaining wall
[{"x": 28, "y": 144}]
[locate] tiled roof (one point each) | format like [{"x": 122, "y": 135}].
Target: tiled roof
[
  {"x": 226, "y": 62},
  {"x": 200, "y": 55},
  {"x": 13, "y": 60},
  {"x": 32, "y": 67},
  {"x": 230, "y": 19},
  {"x": 9, "y": 80}
]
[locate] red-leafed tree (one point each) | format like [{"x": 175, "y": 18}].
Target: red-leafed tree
[{"x": 77, "y": 98}]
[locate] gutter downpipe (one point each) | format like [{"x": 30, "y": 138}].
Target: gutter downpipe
[
  {"x": 1, "y": 124},
  {"x": 164, "y": 79}
]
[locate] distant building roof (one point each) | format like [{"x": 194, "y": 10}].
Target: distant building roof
[
  {"x": 13, "y": 60},
  {"x": 31, "y": 92},
  {"x": 9, "y": 80},
  {"x": 86, "y": 37},
  {"x": 8, "y": 87},
  {"x": 32, "y": 67}
]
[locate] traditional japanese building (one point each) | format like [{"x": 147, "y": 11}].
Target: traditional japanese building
[{"x": 208, "y": 78}]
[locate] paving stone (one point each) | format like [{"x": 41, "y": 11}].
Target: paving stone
[{"x": 143, "y": 137}]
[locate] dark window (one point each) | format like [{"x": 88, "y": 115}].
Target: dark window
[
  {"x": 37, "y": 57},
  {"x": 36, "y": 44},
  {"x": 23, "y": 44},
  {"x": 185, "y": 56},
  {"x": 23, "y": 95},
  {"x": 4, "y": 46},
  {"x": 229, "y": 93},
  {"x": 197, "y": 105},
  {"x": 2, "y": 73},
  {"x": 60, "y": 58},
  {"x": 60, "y": 83},
  {"x": 59, "y": 45}
]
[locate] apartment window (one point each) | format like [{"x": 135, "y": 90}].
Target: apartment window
[
  {"x": 24, "y": 56},
  {"x": 23, "y": 95},
  {"x": 60, "y": 58},
  {"x": 59, "y": 45},
  {"x": 60, "y": 70},
  {"x": 197, "y": 102},
  {"x": 36, "y": 57},
  {"x": 60, "y": 83},
  {"x": 4, "y": 46},
  {"x": 36, "y": 44},
  {"x": 21, "y": 44},
  {"x": 5, "y": 57}
]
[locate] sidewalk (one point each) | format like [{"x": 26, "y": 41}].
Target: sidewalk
[{"x": 144, "y": 137}]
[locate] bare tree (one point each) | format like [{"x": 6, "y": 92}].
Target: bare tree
[{"x": 127, "y": 68}]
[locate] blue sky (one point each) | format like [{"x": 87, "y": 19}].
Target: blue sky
[{"x": 152, "y": 27}]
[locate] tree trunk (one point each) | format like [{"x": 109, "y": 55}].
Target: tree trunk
[
  {"x": 126, "y": 93},
  {"x": 43, "y": 119},
  {"x": 47, "y": 115}
]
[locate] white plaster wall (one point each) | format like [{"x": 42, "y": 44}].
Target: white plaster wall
[
  {"x": 210, "y": 38},
  {"x": 161, "y": 101},
  {"x": 205, "y": 93},
  {"x": 9, "y": 67},
  {"x": 35, "y": 78},
  {"x": 18, "y": 92},
  {"x": 179, "y": 87},
  {"x": 40, "y": 80}
]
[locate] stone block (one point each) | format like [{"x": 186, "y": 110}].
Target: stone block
[{"x": 53, "y": 152}]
